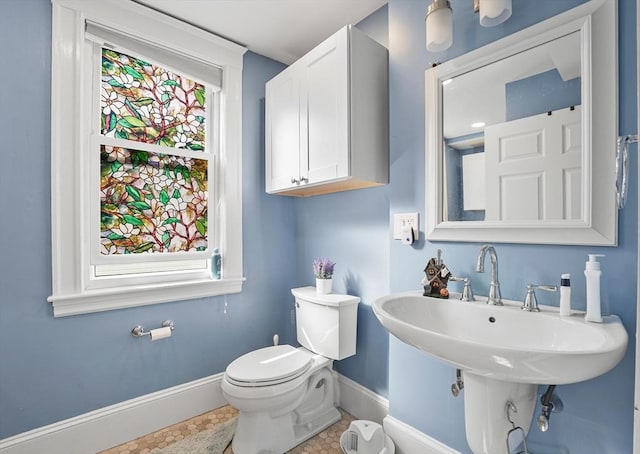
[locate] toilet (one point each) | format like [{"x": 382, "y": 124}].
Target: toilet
[{"x": 286, "y": 395}]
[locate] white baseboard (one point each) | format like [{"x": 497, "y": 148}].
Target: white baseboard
[
  {"x": 636, "y": 412},
  {"x": 409, "y": 440},
  {"x": 110, "y": 426},
  {"x": 360, "y": 402}
]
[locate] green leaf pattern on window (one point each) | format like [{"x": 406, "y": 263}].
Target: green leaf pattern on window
[
  {"x": 151, "y": 202},
  {"x": 146, "y": 103}
]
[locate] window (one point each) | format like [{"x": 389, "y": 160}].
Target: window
[{"x": 146, "y": 158}]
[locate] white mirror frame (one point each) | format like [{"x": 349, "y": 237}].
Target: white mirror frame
[{"x": 597, "y": 23}]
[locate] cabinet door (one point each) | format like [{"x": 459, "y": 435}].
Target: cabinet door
[
  {"x": 282, "y": 141},
  {"x": 327, "y": 121}
]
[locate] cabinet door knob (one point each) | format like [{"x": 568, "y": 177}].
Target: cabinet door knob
[
  {"x": 295, "y": 180},
  {"x": 304, "y": 180}
]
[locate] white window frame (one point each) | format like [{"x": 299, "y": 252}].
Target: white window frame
[{"x": 72, "y": 292}]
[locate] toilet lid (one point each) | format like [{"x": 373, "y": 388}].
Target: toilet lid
[{"x": 269, "y": 365}]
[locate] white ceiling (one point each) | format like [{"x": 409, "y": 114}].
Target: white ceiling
[{"x": 283, "y": 30}]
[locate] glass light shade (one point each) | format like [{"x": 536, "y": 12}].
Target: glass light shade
[
  {"x": 494, "y": 12},
  {"x": 439, "y": 23}
]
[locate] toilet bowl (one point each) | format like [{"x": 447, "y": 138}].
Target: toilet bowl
[
  {"x": 285, "y": 395},
  {"x": 280, "y": 411}
]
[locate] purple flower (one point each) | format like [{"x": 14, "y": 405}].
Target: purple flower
[{"x": 323, "y": 268}]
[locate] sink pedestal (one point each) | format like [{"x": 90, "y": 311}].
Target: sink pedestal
[{"x": 485, "y": 402}]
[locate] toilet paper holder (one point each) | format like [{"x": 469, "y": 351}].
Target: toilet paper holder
[{"x": 138, "y": 330}]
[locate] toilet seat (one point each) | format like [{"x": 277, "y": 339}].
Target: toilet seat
[{"x": 269, "y": 366}]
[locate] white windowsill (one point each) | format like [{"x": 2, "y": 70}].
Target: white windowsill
[{"x": 140, "y": 295}]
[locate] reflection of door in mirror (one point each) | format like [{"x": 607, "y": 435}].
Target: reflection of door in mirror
[
  {"x": 533, "y": 168},
  {"x": 522, "y": 112}
]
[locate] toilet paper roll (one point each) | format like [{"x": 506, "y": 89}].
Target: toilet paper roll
[{"x": 160, "y": 333}]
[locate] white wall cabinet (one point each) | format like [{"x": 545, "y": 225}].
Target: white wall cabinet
[{"x": 327, "y": 119}]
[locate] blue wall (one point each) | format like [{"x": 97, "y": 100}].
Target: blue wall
[
  {"x": 544, "y": 92},
  {"x": 53, "y": 369},
  {"x": 352, "y": 228},
  {"x": 455, "y": 185},
  {"x": 598, "y": 414}
]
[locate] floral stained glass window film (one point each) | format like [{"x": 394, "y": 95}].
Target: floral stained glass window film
[
  {"x": 146, "y": 103},
  {"x": 151, "y": 202}
]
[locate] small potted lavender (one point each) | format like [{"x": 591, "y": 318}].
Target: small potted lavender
[{"x": 323, "y": 269}]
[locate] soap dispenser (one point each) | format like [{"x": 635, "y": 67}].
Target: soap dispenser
[{"x": 592, "y": 273}]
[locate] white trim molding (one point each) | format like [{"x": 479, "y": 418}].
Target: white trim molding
[
  {"x": 409, "y": 440},
  {"x": 72, "y": 290},
  {"x": 141, "y": 295},
  {"x": 110, "y": 426},
  {"x": 361, "y": 402},
  {"x": 137, "y": 417},
  {"x": 116, "y": 424}
]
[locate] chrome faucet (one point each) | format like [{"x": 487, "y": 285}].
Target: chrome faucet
[
  {"x": 495, "y": 298},
  {"x": 467, "y": 293}
]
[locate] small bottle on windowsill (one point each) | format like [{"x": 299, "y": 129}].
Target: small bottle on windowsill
[{"x": 216, "y": 264}]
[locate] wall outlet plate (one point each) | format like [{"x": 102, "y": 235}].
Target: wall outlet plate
[{"x": 401, "y": 220}]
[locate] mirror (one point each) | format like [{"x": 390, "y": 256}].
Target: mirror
[
  {"x": 521, "y": 133},
  {"x": 512, "y": 146}
]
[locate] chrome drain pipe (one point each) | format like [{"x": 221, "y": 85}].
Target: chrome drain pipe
[
  {"x": 458, "y": 385},
  {"x": 550, "y": 403}
]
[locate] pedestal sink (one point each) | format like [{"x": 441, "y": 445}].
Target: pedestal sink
[{"x": 504, "y": 353}]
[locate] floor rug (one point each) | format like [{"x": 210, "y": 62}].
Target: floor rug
[{"x": 209, "y": 441}]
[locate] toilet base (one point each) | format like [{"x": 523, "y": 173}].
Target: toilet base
[
  {"x": 263, "y": 432},
  {"x": 303, "y": 432},
  {"x": 276, "y": 436}
]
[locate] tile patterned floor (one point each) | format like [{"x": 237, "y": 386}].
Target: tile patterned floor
[{"x": 326, "y": 442}]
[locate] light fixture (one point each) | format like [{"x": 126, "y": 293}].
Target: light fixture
[
  {"x": 478, "y": 124},
  {"x": 439, "y": 20},
  {"x": 439, "y": 23},
  {"x": 494, "y": 12}
]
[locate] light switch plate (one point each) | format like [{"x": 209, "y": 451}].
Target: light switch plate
[{"x": 401, "y": 220}]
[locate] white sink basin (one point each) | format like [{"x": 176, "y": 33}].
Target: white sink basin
[{"x": 505, "y": 343}]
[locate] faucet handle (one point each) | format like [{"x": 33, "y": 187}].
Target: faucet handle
[
  {"x": 530, "y": 303},
  {"x": 467, "y": 293}
]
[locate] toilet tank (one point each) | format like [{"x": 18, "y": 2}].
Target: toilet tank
[{"x": 326, "y": 324}]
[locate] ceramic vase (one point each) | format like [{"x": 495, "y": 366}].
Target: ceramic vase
[{"x": 323, "y": 286}]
